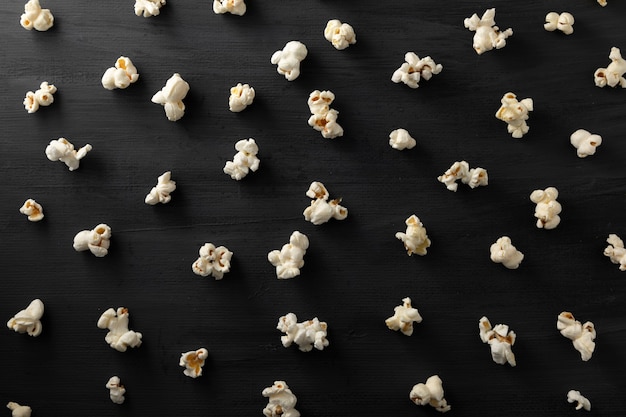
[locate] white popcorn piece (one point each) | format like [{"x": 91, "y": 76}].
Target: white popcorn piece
[
  {"x": 602, "y": 3},
  {"x": 321, "y": 210},
  {"x": 585, "y": 142},
  {"x": 35, "y": 17},
  {"x": 547, "y": 209},
  {"x": 323, "y": 118},
  {"x": 613, "y": 74},
  {"x": 307, "y": 335},
  {"x": 148, "y": 8},
  {"x": 415, "y": 69},
  {"x": 414, "y": 238},
  {"x": 563, "y": 22},
  {"x": 400, "y": 139},
  {"x": 118, "y": 337},
  {"x": 237, "y": 7},
  {"x": 214, "y": 261},
  {"x": 460, "y": 170},
  {"x": 430, "y": 393},
  {"x": 282, "y": 401},
  {"x": 161, "y": 192},
  {"x": 19, "y": 410},
  {"x": 615, "y": 251},
  {"x": 241, "y": 96},
  {"x": 116, "y": 390},
  {"x": 290, "y": 258},
  {"x": 500, "y": 340},
  {"x": 123, "y": 74},
  {"x": 28, "y": 320},
  {"x": 515, "y": 114},
  {"x": 288, "y": 59},
  {"x": 574, "y": 396},
  {"x": 244, "y": 161},
  {"x": 403, "y": 317},
  {"x": 97, "y": 240},
  {"x": 503, "y": 252},
  {"x": 581, "y": 335},
  {"x": 171, "y": 97},
  {"x": 193, "y": 361},
  {"x": 63, "y": 150},
  {"x": 341, "y": 35},
  {"x": 32, "y": 209},
  {"x": 41, "y": 97},
  {"x": 488, "y": 36}
]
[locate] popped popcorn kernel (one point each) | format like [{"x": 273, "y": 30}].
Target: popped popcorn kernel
[
  {"x": 281, "y": 402},
  {"x": 340, "y": 35},
  {"x": 400, "y": 139},
  {"x": 116, "y": 390},
  {"x": 29, "y": 319},
  {"x": 582, "y": 335},
  {"x": 97, "y": 240},
  {"x": 500, "y": 339},
  {"x": 503, "y": 252},
  {"x": 193, "y": 361},
  {"x": 430, "y": 393},
  {"x": 290, "y": 258},
  {"x": 19, "y": 410},
  {"x": 323, "y": 118},
  {"x": 321, "y": 209},
  {"x": 171, "y": 97},
  {"x": 488, "y": 36},
  {"x": 236, "y": 7},
  {"x": 63, "y": 150},
  {"x": 161, "y": 192},
  {"x": 44, "y": 96},
  {"x": 307, "y": 335},
  {"x": 123, "y": 74},
  {"x": 32, "y": 209},
  {"x": 574, "y": 396},
  {"x": 547, "y": 209},
  {"x": 414, "y": 238},
  {"x": 613, "y": 74},
  {"x": 148, "y": 8},
  {"x": 563, "y": 22},
  {"x": 214, "y": 261},
  {"x": 119, "y": 336},
  {"x": 403, "y": 317},
  {"x": 288, "y": 59},
  {"x": 244, "y": 161},
  {"x": 515, "y": 113},
  {"x": 414, "y": 69},
  {"x": 460, "y": 170},
  {"x": 615, "y": 251},
  {"x": 241, "y": 96},
  {"x": 585, "y": 142},
  {"x": 34, "y": 17}
]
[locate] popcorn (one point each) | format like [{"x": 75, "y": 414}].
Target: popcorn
[
  {"x": 400, "y": 139},
  {"x": 415, "y": 238},
  {"x": 503, "y": 252},
  {"x": 403, "y": 317},
  {"x": 324, "y": 119},
  {"x": 614, "y": 73},
  {"x": 563, "y": 22},
  {"x": 615, "y": 251},
  {"x": 119, "y": 337},
  {"x": 42, "y": 97},
  {"x": 430, "y": 393},
  {"x": 212, "y": 261},
  {"x": 35, "y": 17},
  {"x": 241, "y": 96},
  {"x": 515, "y": 114},
  {"x": 500, "y": 339},
  {"x": 116, "y": 390},
  {"x": 488, "y": 35},
  {"x": 193, "y": 361},
  {"x": 19, "y": 410},
  {"x": 602, "y": 3},
  {"x": 62, "y": 150},
  {"x": 288, "y": 59},
  {"x": 32, "y": 209},
  {"x": 341, "y": 35},
  {"x": 171, "y": 97},
  {"x": 307, "y": 335},
  {"x": 321, "y": 210},
  {"x": 161, "y": 192},
  {"x": 148, "y": 8},
  {"x": 585, "y": 143},
  {"x": 290, "y": 258},
  {"x": 415, "y": 69},
  {"x": 581, "y": 402},
  {"x": 474, "y": 177},
  {"x": 244, "y": 161},
  {"x": 28, "y": 320},
  {"x": 581, "y": 335},
  {"x": 548, "y": 209},
  {"x": 97, "y": 240},
  {"x": 282, "y": 401},
  {"x": 121, "y": 75},
  {"x": 237, "y": 7}
]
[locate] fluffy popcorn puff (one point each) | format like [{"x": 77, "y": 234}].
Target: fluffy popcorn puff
[
  {"x": 341, "y": 35},
  {"x": 193, "y": 361},
  {"x": 214, "y": 261},
  {"x": 171, "y": 97},
  {"x": 547, "y": 209},
  {"x": 42, "y": 97},
  {"x": 244, "y": 161},
  {"x": 282, "y": 401},
  {"x": 32, "y": 209},
  {"x": 460, "y": 170},
  {"x": 500, "y": 339},
  {"x": 400, "y": 139},
  {"x": 430, "y": 393},
  {"x": 118, "y": 337},
  {"x": 403, "y": 317},
  {"x": 515, "y": 114},
  {"x": 581, "y": 335},
  {"x": 148, "y": 8},
  {"x": 123, "y": 74},
  {"x": 615, "y": 251},
  {"x": 35, "y": 17},
  {"x": 288, "y": 59},
  {"x": 290, "y": 258},
  {"x": 585, "y": 143},
  {"x": 503, "y": 252},
  {"x": 62, "y": 150},
  {"x": 237, "y": 7},
  {"x": 161, "y": 192},
  {"x": 28, "y": 320},
  {"x": 574, "y": 396},
  {"x": 414, "y": 238},
  {"x": 563, "y": 22},
  {"x": 415, "y": 69},
  {"x": 321, "y": 210},
  {"x": 241, "y": 96},
  {"x": 614, "y": 73},
  {"x": 488, "y": 36},
  {"x": 323, "y": 118},
  {"x": 307, "y": 335},
  {"x": 116, "y": 390},
  {"x": 19, "y": 410},
  {"x": 602, "y": 3},
  {"x": 97, "y": 240}
]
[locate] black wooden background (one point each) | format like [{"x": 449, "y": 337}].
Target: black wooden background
[{"x": 355, "y": 271}]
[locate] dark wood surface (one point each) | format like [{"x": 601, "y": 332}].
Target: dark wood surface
[{"x": 355, "y": 271}]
